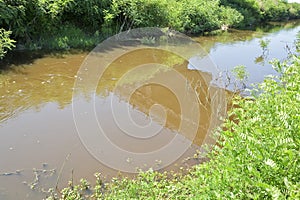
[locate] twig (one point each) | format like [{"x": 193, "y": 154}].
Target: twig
[
  {"x": 72, "y": 179},
  {"x": 60, "y": 172}
]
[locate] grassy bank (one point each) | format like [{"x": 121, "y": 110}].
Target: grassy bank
[
  {"x": 258, "y": 158},
  {"x": 64, "y": 24}
]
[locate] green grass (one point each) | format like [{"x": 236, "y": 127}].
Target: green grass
[
  {"x": 65, "y": 38},
  {"x": 257, "y": 158}
]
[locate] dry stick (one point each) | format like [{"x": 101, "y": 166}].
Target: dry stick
[
  {"x": 72, "y": 179},
  {"x": 60, "y": 172}
]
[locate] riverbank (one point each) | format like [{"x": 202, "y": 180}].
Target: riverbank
[
  {"x": 25, "y": 55},
  {"x": 259, "y": 158},
  {"x": 66, "y": 24}
]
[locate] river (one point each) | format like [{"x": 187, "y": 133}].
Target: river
[{"x": 49, "y": 106}]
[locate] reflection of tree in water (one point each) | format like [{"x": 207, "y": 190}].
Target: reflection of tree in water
[
  {"x": 233, "y": 35},
  {"x": 52, "y": 80},
  {"x": 148, "y": 95},
  {"x": 32, "y": 86}
]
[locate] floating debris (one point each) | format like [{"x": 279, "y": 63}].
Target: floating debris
[
  {"x": 17, "y": 172},
  {"x": 38, "y": 173},
  {"x": 129, "y": 160},
  {"x": 45, "y": 165},
  {"x": 158, "y": 162}
]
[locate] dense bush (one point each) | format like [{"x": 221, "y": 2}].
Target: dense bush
[
  {"x": 275, "y": 11},
  {"x": 250, "y": 9},
  {"x": 294, "y": 11},
  {"x": 195, "y": 16},
  {"x": 201, "y": 16},
  {"x": 258, "y": 11},
  {"x": 33, "y": 21},
  {"x": 87, "y": 15},
  {"x": 125, "y": 14},
  {"x": 29, "y": 20}
]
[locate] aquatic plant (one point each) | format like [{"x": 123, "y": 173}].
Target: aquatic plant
[{"x": 264, "y": 44}]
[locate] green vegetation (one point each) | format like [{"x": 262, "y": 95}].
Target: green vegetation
[
  {"x": 48, "y": 24},
  {"x": 257, "y": 11},
  {"x": 5, "y": 42},
  {"x": 64, "y": 24},
  {"x": 67, "y": 37},
  {"x": 264, "y": 45},
  {"x": 193, "y": 16},
  {"x": 257, "y": 156}
]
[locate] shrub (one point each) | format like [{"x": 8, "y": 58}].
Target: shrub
[
  {"x": 250, "y": 9},
  {"x": 255, "y": 11},
  {"x": 5, "y": 42},
  {"x": 196, "y": 16},
  {"x": 27, "y": 19},
  {"x": 125, "y": 14},
  {"x": 87, "y": 15},
  {"x": 275, "y": 11}
]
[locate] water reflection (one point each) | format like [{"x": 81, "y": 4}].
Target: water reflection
[
  {"x": 148, "y": 95},
  {"x": 32, "y": 86},
  {"x": 151, "y": 78},
  {"x": 243, "y": 48}
]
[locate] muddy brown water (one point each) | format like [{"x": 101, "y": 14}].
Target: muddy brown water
[{"x": 39, "y": 138}]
